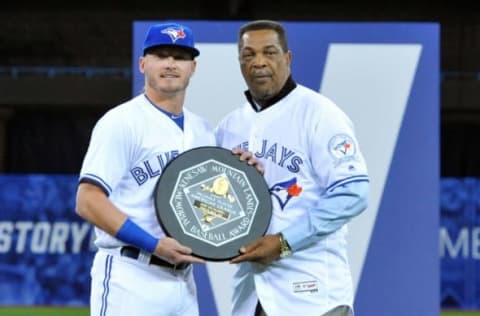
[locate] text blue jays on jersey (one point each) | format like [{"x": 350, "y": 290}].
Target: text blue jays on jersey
[
  {"x": 281, "y": 155},
  {"x": 153, "y": 167}
]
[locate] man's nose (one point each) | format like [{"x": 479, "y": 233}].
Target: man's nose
[
  {"x": 259, "y": 60},
  {"x": 170, "y": 61}
]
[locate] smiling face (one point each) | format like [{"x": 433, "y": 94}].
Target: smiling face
[
  {"x": 167, "y": 70},
  {"x": 264, "y": 64}
]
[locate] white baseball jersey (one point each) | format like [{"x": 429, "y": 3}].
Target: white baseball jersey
[
  {"x": 307, "y": 145},
  {"x": 130, "y": 146}
]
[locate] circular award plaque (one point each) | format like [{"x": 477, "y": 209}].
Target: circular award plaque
[{"x": 210, "y": 201}]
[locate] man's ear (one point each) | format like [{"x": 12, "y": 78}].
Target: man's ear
[{"x": 141, "y": 64}]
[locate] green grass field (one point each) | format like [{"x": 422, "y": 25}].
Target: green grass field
[{"x": 45, "y": 311}]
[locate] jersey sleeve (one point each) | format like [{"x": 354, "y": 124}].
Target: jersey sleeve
[
  {"x": 335, "y": 208},
  {"x": 108, "y": 154},
  {"x": 340, "y": 167},
  {"x": 336, "y": 156}
]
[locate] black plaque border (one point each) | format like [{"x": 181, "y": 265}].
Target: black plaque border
[{"x": 166, "y": 215}]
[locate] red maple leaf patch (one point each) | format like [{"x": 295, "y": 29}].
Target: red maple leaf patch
[{"x": 294, "y": 190}]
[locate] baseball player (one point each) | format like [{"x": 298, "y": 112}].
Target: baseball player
[
  {"x": 137, "y": 269},
  {"x": 317, "y": 178}
]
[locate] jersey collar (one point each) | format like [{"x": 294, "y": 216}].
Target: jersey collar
[
  {"x": 178, "y": 119},
  {"x": 287, "y": 88}
]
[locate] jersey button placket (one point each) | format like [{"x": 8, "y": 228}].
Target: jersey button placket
[{"x": 255, "y": 143}]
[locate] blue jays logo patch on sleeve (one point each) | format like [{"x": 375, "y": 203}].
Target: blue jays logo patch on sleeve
[{"x": 342, "y": 148}]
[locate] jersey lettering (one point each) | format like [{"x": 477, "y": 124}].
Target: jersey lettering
[
  {"x": 139, "y": 175},
  {"x": 285, "y": 157},
  {"x": 152, "y": 167},
  {"x": 295, "y": 163},
  {"x": 152, "y": 173},
  {"x": 271, "y": 153},
  {"x": 244, "y": 146},
  {"x": 286, "y": 153}
]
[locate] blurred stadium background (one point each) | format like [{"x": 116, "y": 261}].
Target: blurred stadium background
[{"x": 61, "y": 68}]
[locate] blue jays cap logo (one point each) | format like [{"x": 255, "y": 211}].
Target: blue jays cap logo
[
  {"x": 170, "y": 34},
  {"x": 284, "y": 191},
  {"x": 174, "y": 33},
  {"x": 342, "y": 148}
]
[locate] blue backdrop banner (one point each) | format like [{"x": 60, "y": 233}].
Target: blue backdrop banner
[
  {"x": 45, "y": 248},
  {"x": 460, "y": 243}
]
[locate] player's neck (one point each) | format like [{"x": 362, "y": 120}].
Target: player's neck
[{"x": 171, "y": 104}]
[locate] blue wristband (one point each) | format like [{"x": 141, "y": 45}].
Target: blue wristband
[{"x": 134, "y": 235}]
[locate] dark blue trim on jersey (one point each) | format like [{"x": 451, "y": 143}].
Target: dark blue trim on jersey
[
  {"x": 93, "y": 179},
  {"x": 178, "y": 119},
  {"x": 360, "y": 178},
  {"x": 106, "y": 287}
]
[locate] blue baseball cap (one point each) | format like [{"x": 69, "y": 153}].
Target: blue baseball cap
[{"x": 170, "y": 34}]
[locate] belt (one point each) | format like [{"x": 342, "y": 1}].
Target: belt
[{"x": 134, "y": 253}]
